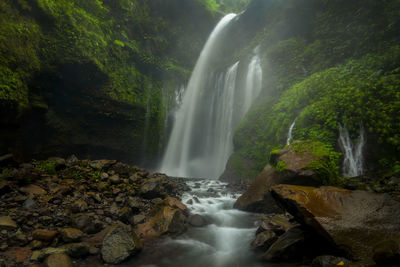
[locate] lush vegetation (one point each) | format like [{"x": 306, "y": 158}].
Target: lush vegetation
[
  {"x": 112, "y": 62},
  {"x": 332, "y": 66}
]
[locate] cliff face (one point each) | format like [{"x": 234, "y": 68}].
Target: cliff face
[
  {"x": 324, "y": 63},
  {"x": 94, "y": 78}
]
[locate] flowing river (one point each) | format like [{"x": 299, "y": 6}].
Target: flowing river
[{"x": 224, "y": 242}]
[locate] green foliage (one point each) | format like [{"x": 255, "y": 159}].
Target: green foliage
[
  {"x": 45, "y": 166},
  {"x": 281, "y": 166}
]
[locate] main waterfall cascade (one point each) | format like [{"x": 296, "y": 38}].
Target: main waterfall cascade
[
  {"x": 212, "y": 106},
  {"x": 353, "y": 154}
]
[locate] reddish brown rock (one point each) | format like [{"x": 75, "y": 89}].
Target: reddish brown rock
[
  {"x": 71, "y": 234},
  {"x": 17, "y": 254},
  {"x": 352, "y": 220},
  {"x": 294, "y": 170},
  {"x": 167, "y": 216}
]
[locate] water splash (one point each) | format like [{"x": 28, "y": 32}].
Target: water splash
[
  {"x": 353, "y": 162},
  {"x": 290, "y": 133}
]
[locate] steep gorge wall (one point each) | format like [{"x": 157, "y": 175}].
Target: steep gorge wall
[
  {"x": 324, "y": 63},
  {"x": 94, "y": 78}
]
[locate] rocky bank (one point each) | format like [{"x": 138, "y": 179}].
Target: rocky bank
[{"x": 58, "y": 212}]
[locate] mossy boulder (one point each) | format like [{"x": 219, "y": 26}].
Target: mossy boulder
[{"x": 302, "y": 163}]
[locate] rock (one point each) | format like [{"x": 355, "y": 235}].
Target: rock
[
  {"x": 264, "y": 240},
  {"x": 289, "y": 166},
  {"x": 29, "y": 204},
  {"x": 353, "y": 220},
  {"x": 58, "y": 260},
  {"x": 114, "y": 179},
  {"x": 278, "y": 223},
  {"x": 101, "y": 164},
  {"x": 59, "y": 162},
  {"x": 189, "y": 202},
  {"x": 79, "y": 206},
  {"x": 119, "y": 244},
  {"x": 167, "y": 216},
  {"x": 7, "y": 223},
  {"x": 86, "y": 223},
  {"x": 138, "y": 219},
  {"x": 71, "y": 235},
  {"x": 288, "y": 247},
  {"x": 33, "y": 190},
  {"x": 387, "y": 253},
  {"x": 72, "y": 160},
  {"x": 104, "y": 175},
  {"x": 152, "y": 189},
  {"x": 44, "y": 235},
  {"x": 329, "y": 261},
  {"x": 125, "y": 215},
  {"x": 74, "y": 250},
  {"x": 197, "y": 220}
]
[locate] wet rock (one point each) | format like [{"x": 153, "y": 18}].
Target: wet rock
[
  {"x": 278, "y": 223},
  {"x": 75, "y": 250},
  {"x": 7, "y": 223},
  {"x": 29, "y": 204},
  {"x": 329, "y": 261},
  {"x": 288, "y": 247},
  {"x": 114, "y": 179},
  {"x": 196, "y": 199},
  {"x": 197, "y": 220},
  {"x": 189, "y": 202},
  {"x": 167, "y": 216},
  {"x": 125, "y": 215},
  {"x": 353, "y": 220},
  {"x": 387, "y": 253},
  {"x": 71, "y": 234},
  {"x": 44, "y": 235},
  {"x": 101, "y": 164},
  {"x": 58, "y": 260},
  {"x": 119, "y": 243},
  {"x": 152, "y": 188},
  {"x": 5, "y": 187},
  {"x": 264, "y": 240},
  {"x": 79, "y": 206},
  {"x": 59, "y": 162},
  {"x": 86, "y": 223},
  {"x": 258, "y": 198}
]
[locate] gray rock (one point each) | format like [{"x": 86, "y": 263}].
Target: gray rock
[
  {"x": 29, "y": 204},
  {"x": 119, "y": 244},
  {"x": 197, "y": 220},
  {"x": 114, "y": 179},
  {"x": 264, "y": 240},
  {"x": 75, "y": 250}
]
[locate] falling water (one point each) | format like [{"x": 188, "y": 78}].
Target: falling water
[
  {"x": 290, "y": 133},
  {"x": 353, "y": 154},
  {"x": 201, "y": 139},
  {"x": 253, "y": 80}
]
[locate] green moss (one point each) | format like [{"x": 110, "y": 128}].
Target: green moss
[
  {"x": 45, "y": 166},
  {"x": 281, "y": 166}
]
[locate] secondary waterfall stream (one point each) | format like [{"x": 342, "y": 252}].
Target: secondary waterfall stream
[
  {"x": 353, "y": 160},
  {"x": 213, "y": 104}
]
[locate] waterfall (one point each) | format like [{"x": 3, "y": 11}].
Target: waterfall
[
  {"x": 253, "y": 80},
  {"x": 201, "y": 139},
  {"x": 353, "y": 154},
  {"x": 290, "y": 133}
]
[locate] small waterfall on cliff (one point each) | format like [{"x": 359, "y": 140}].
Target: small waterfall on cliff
[
  {"x": 290, "y": 133},
  {"x": 253, "y": 80},
  {"x": 353, "y": 154}
]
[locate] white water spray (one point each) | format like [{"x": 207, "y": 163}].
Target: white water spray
[
  {"x": 253, "y": 81},
  {"x": 290, "y": 133},
  {"x": 353, "y": 154}
]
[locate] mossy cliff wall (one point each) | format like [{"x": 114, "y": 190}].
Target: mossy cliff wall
[
  {"x": 94, "y": 77},
  {"x": 324, "y": 63}
]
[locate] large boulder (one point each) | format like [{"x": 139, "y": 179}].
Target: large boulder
[
  {"x": 168, "y": 216},
  {"x": 119, "y": 244},
  {"x": 354, "y": 221},
  {"x": 298, "y": 164}
]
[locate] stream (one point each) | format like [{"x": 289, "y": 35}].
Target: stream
[{"x": 224, "y": 242}]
